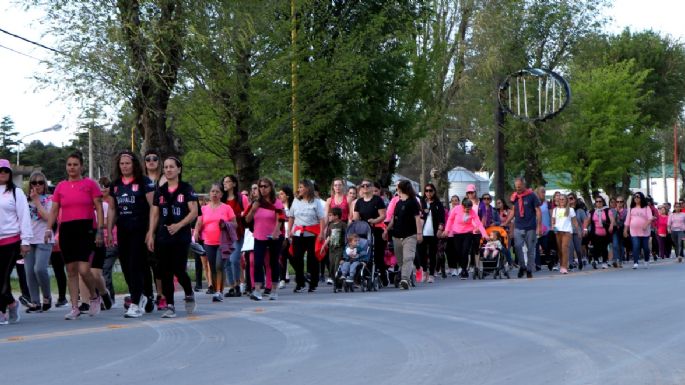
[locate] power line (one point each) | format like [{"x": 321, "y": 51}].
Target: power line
[
  {"x": 32, "y": 42},
  {"x": 19, "y": 53}
]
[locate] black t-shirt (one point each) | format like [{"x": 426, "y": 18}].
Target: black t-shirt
[
  {"x": 173, "y": 207},
  {"x": 404, "y": 218},
  {"x": 369, "y": 210},
  {"x": 131, "y": 204}
]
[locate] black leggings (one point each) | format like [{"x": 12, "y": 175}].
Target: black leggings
[
  {"x": 462, "y": 248},
  {"x": 8, "y": 258},
  {"x": 379, "y": 246},
  {"x": 428, "y": 250},
  {"x": 57, "y": 263},
  {"x": 285, "y": 257},
  {"x": 133, "y": 258},
  {"x": 599, "y": 247},
  {"x": 273, "y": 246},
  {"x": 300, "y": 246},
  {"x": 451, "y": 253},
  {"x": 23, "y": 285},
  {"x": 172, "y": 258}
]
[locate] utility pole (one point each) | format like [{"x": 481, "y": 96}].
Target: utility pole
[
  {"x": 676, "y": 163},
  {"x": 293, "y": 104},
  {"x": 499, "y": 152}
]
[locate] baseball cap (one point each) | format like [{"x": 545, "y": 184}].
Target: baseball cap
[
  {"x": 471, "y": 188},
  {"x": 4, "y": 163}
]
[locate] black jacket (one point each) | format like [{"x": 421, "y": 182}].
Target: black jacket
[{"x": 437, "y": 211}]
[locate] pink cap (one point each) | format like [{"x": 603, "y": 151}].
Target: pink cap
[
  {"x": 4, "y": 163},
  {"x": 471, "y": 188}
]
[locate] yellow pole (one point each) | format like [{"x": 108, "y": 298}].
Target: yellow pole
[
  {"x": 133, "y": 139},
  {"x": 293, "y": 105}
]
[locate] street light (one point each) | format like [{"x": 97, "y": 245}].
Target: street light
[{"x": 56, "y": 127}]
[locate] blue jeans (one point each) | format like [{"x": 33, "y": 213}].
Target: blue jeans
[
  {"x": 529, "y": 237},
  {"x": 640, "y": 243},
  {"x": 36, "y": 264},
  {"x": 232, "y": 266},
  {"x": 617, "y": 246}
]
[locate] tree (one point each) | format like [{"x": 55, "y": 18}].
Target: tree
[
  {"x": 7, "y": 137},
  {"x": 601, "y": 134},
  {"x": 124, "y": 50}
]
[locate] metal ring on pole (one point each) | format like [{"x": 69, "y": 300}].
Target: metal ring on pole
[{"x": 551, "y": 94}]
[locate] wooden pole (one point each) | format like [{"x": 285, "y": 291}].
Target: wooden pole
[
  {"x": 293, "y": 86},
  {"x": 676, "y": 163}
]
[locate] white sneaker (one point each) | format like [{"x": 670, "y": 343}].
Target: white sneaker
[
  {"x": 555, "y": 268},
  {"x": 273, "y": 296},
  {"x": 456, "y": 272},
  {"x": 142, "y": 303},
  {"x": 242, "y": 287},
  {"x": 256, "y": 295},
  {"x": 281, "y": 285},
  {"x": 329, "y": 281},
  {"x": 134, "y": 311},
  {"x": 635, "y": 266},
  {"x": 605, "y": 266}
]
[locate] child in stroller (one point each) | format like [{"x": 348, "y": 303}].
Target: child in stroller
[
  {"x": 356, "y": 254},
  {"x": 493, "y": 247}
]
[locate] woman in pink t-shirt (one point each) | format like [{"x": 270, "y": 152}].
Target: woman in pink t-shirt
[
  {"x": 676, "y": 226},
  {"x": 662, "y": 230},
  {"x": 639, "y": 221},
  {"x": 80, "y": 201},
  {"x": 208, "y": 229},
  {"x": 267, "y": 214}
]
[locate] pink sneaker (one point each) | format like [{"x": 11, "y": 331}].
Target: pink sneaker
[
  {"x": 73, "y": 314},
  {"x": 95, "y": 306},
  {"x": 161, "y": 305},
  {"x": 563, "y": 271}
]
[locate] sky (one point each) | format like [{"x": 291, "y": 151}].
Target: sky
[{"x": 33, "y": 108}]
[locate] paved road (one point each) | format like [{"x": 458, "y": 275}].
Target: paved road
[{"x": 598, "y": 327}]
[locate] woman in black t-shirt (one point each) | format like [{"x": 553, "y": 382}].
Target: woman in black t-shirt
[
  {"x": 173, "y": 212},
  {"x": 405, "y": 228},
  {"x": 130, "y": 211},
  {"x": 371, "y": 208}
]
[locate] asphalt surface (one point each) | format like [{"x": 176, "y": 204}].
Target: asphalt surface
[{"x": 592, "y": 327}]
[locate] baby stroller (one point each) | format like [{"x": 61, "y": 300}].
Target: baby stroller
[
  {"x": 496, "y": 265},
  {"x": 367, "y": 276}
]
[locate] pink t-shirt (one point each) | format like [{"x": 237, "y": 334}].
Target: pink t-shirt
[
  {"x": 211, "y": 217},
  {"x": 75, "y": 199},
  {"x": 662, "y": 225},
  {"x": 639, "y": 220},
  {"x": 265, "y": 221},
  {"x": 599, "y": 226}
]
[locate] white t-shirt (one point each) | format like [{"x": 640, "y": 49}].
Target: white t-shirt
[
  {"x": 563, "y": 222},
  {"x": 428, "y": 230}
]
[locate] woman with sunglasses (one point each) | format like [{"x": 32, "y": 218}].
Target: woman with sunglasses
[
  {"x": 174, "y": 208},
  {"x": 267, "y": 214},
  {"x": 576, "y": 243},
  {"x": 239, "y": 203},
  {"x": 153, "y": 170},
  {"x": 15, "y": 239},
  {"x": 638, "y": 225},
  {"x": 37, "y": 260},
  {"x": 599, "y": 225},
  {"x": 676, "y": 226},
  {"x": 433, "y": 213},
  {"x": 78, "y": 203},
  {"x": 371, "y": 208},
  {"x": 619, "y": 214},
  {"x": 130, "y": 213}
]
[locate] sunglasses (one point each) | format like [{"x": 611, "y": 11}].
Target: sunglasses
[
  {"x": 151, "y": 158},
  {"x": 599, "y": 202},
  {"x": 5, "y": 170},
  {"x": 428, "y": 190},
  {"x": 37, "y": 183},
  {"x": 636, "y": 197},
  {"x": 104, "y": 186},
  {"x": 620, "y": 201},
  {"x": 487, "y": 198},
  {"x": 365, "y": 185},
  {"x": 264, "y": 186}
]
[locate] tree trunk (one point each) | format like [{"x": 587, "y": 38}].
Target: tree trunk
[
  {"x": 245, "y": 162},
  {"x": 156, "y": 73}
]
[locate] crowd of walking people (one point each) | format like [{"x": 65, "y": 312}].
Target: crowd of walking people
[{"x": 247, "y": 242}]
